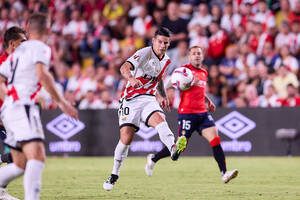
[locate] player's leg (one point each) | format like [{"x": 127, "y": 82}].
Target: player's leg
[
  {"x": 129, "y": 119},
  {"x": 185, "y": 128},
  {"x": 157, "y": 121},
  {"x": 121, "y": 152},
  {"x": 35, "y": 154},
  {"x": 211, "y": 135},
  {"x": 10, "y": 172},
  {"x": 7, "y": 157}
]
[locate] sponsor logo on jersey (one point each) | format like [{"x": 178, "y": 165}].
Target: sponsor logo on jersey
[
  {"x": 150, "y": 78},
  {"x": 136, "y": 57}
]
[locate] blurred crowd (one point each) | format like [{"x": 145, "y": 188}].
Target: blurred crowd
[{"x": 252, "y": 46}]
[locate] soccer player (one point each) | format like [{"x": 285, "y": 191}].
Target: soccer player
[
  {"x": 144, "y": 71},
  {"x": 13, "y": 37},
  {"x": 193, "y": 116},
  {"x": 25, "y": 71}
]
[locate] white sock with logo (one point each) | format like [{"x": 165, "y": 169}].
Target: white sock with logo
[
  {"x": 8, "y": 173},
  {"x": 121, "y": 153},
  {"x": 165, "y": 134},
  {"x": 33, "y": 179}
]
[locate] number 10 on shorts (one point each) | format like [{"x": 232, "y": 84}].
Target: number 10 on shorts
[{"x": 123, "y": 111}]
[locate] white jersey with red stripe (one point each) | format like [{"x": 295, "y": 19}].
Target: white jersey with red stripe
[
  {"x": 20, "y": 71},
  {"x": 149, "y": 69}
]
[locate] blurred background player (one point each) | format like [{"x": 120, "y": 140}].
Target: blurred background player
[
  {"x": 13, "y": 37},
  {"x": 194, "y": 116},
  {"x": 144, "y": 71},
  {"x": 25, "y": 71}
]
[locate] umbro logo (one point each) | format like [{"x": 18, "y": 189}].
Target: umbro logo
[
  {"x": 64, "y": 127},
  {"x": 234, "y": 125}
]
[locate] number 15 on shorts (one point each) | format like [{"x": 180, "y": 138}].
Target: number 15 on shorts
[{"x": 186, "y": 124}]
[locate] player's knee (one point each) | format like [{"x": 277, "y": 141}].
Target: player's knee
[
  {"x": 215, "y": 142},
  {"x": 156, "y": 119},
  {"x": 126, "y": 135}
]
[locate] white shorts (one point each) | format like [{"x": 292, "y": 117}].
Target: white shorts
[
  {"x": 22, "y": 124},
  {"x": 138, "y": 109}
]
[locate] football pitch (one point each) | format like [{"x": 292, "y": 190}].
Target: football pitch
[{"x": 189, "y": 178}]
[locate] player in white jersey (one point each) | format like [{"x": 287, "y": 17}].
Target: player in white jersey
[
  {"x": 144, "y": 71},
  {"x": 25, "y": 71}
]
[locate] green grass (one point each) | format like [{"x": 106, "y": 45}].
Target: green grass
[{"x": 189, "y": 178}]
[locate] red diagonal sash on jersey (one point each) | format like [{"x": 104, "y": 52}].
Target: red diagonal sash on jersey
[
  {"x": 37, "y": 90},
  {"x": 131, "y": 91}
]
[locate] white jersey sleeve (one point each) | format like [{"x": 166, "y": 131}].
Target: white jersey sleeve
[
  {"x": 42, "y": 54},
  {"x": 140, "y": 57},
  {"x": 5, "y": 68}
]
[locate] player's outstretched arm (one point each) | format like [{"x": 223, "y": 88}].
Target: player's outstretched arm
[
  {"x": 125, "y": 71},
  {"x": 164, "y": 102},
  {"x": 47, "y": 81},
  {"x": 3, "y": 89}
]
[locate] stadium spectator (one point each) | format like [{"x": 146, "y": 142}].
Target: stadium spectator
[
  {"x": 131, "y": 41},
  {"x": 244, "y": 60},
  {"x": 201, "y": 16},
  {"x": 142, "y": 23},
  {"x": 287, "y": 59},
  {"x": 264, "y": 16},
  {"x": 175, "y": 24},
  {"x": 90, "y": 101},
  {"x": 269, "y": 98},
  {"x": 293, "y": 98},
  {"x": 59, "y": 22},
  {"x": 61, "y": 71},
  {"x": 283, "y": 78},
  {"x": 259, "y": 38},
  {"x": 178, "y": 56},
  {"x": 198, "y": 37},
  {"x": 216, "y": 13},
  {"x": 268, "y": 56},
  {"x": 216, "y": 86},
  {"x": 282, "y": 14},
  {"x": 295, "y": 48},
  {"x": 227, "y": 65},
  {"x": 77, "y": 27},
  {"x": 230, "y": 20},
  {"x": 251, "y": 96},
  {"x": 106, "y": 102},
  {"x": 294, "y": 14},
  {"x": 217, "y": 42},
  {"x": 284, "y": 37}
]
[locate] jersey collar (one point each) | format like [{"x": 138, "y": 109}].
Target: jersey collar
[{"x": 160, "y": 59}]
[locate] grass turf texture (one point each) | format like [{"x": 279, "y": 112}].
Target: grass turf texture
[{"x": 188, "y": 178}]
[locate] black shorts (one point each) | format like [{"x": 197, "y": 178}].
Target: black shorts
[{"x": 188, "y": 123}]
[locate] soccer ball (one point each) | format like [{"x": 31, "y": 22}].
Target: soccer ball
[{"x": 182, "y": 78}]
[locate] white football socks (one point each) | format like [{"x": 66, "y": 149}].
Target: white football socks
[
  {"x": 165, "y": 134},
  {"x": 8, "y": 173},
  {"x": 121, "y": 153},
  {"x": 33, "y": 179}
]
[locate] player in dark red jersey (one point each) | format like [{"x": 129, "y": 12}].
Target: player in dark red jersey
[
  {"x": 193, "y": 115},
  {"x": 13, "y": 37}
]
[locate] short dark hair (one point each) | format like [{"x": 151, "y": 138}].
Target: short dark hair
[
  {"x": 38, "y": 22},
  {"x": 13, "y": 33},
  {"x": 163, "y": 31},
  {"x": 196, "y": 47}
]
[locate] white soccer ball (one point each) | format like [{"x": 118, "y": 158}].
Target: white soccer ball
[{"x": 182, "y": 78}]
